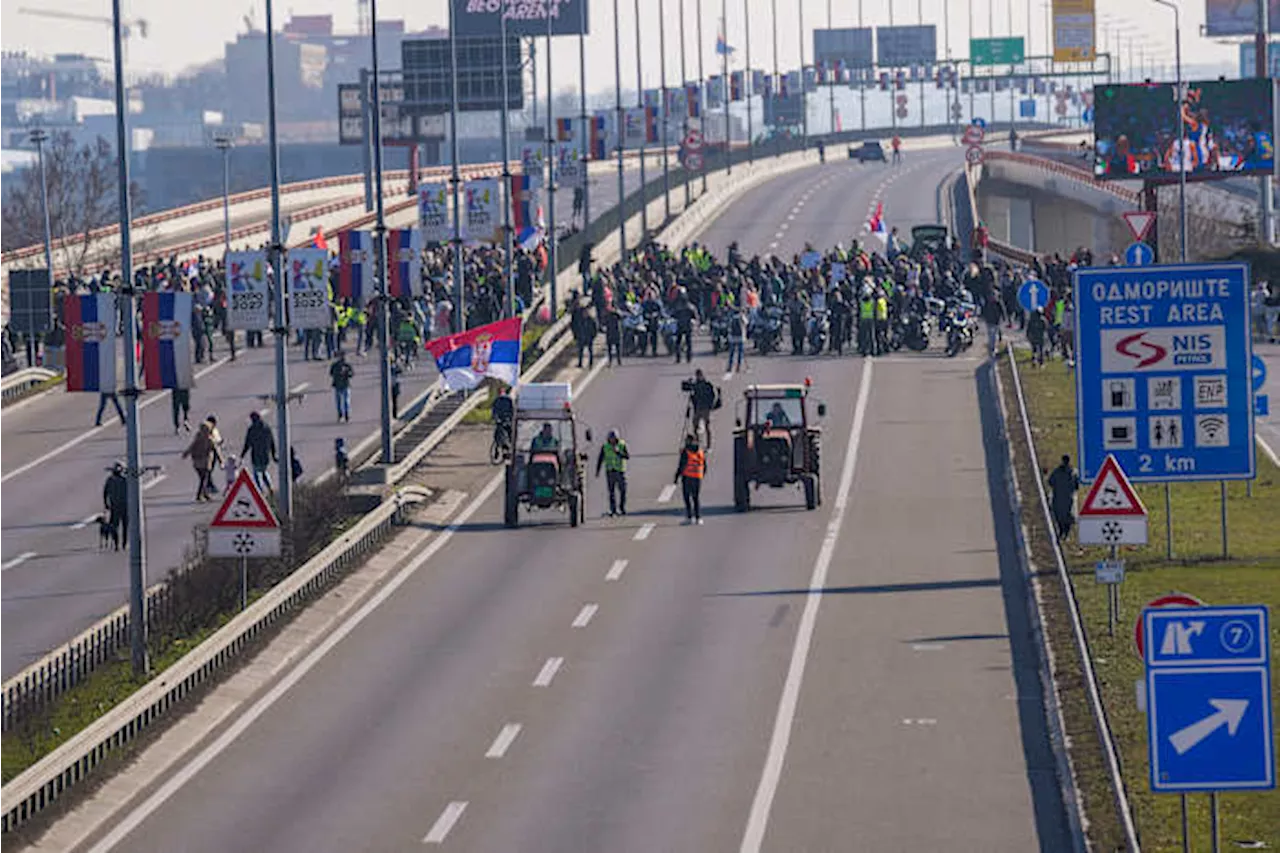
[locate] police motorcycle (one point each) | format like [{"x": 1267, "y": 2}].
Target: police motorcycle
[
  {"x": 959, "y": 324},
  {"x": 719, "y": 328},
  {"x": 766, "y": 329},
  {"x": 817, "y": 330},
  {"x": 669, "y": 329},
  {"x": 635, "y": 331}
]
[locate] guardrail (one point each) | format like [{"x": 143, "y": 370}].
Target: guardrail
[
  {"x": 16, "y": 384},
  {"x": 1078, "y": 174},
  {"x": 42, "y": 784}
]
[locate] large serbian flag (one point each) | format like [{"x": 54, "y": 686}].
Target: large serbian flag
[
  {"x": 404, "y": 261},
  {"x": 876, "y": 226},
  {"x": 166, "y": 340},
  {"x": 492, "y": 350},
  {"x": 355, "y": 267},
  {"x": 526, "y": 212},
  {"x": 91, "y": 342}
]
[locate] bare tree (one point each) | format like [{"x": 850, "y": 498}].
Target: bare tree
[{"x": 82, "y": 198}]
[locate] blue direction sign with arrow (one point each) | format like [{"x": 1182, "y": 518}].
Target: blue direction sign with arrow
[
  {"x": 1138, "y": 255},
  {"x": 1033, "y": 295},
  {"x": 1209, "y": 723},
  {"x": 1257, "y": 372}
]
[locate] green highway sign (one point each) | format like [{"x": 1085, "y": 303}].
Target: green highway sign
[{"x": 998, "y": 51}]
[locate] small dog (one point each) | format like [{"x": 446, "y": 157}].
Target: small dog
[{"x": 107, "y": 534}]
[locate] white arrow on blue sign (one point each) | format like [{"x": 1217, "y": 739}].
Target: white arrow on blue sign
[
  {"x": 1033, "y": 295},
  {"x": 1258, "y": 372},
  {"x": 980, "y": 122},
  {"x": 1139, "y": 255}
]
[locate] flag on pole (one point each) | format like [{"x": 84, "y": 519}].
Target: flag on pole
[
  {"x": 693, "y": 96},
  {"x": 91, "y": 342},
  {"x": 166, "y": 340},
  {"x": 876, "y": 224},
  {"x": 526, "y": 212},
  {"x": 597, "y": 144},
  {"x": 404, "y": 261},
  {"x": 723, "y": 48},
  {"x": 491, "y": 350},
  {"x": 564, "y": 130},
  {"x": 651, "y": 124},
  {"x": 317, "y": 239},
  {"x": 355, "y": 267},
  {"x": 652, "y": 97}
]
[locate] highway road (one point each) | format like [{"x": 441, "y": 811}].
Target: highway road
[
  {"x": 860, "y": 677},
  {"x": 56, "y": 581},
  {"x": 1268, "y": 428}
]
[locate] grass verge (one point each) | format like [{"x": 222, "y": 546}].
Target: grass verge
[{"x": 1251, "y": 574}]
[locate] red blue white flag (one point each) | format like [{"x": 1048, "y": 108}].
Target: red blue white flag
[
  {"x": 404, "y": 261},
  {"x": 598, "y": 142},
  {"x": 693, "y": 97},
  {"x": 876, "y": 224},
  {"x": 166, "y": 340},
  {"x": 526, "y": 212},
  {"x": 491, "y": 350},
  {"x": 355, "y": 267},
  {"x": 564, "y": 130},
  {"x": 91, "y": 342}
]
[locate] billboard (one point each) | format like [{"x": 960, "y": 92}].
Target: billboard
[
  {"x": 852, "y": 45},
  {"x": 1074, "y": 31},
  {"x": 1230, "y": 129},
  {"x": 1249, "y": 58},
  {"x": 428, "y": 79},
  {"x": 897, "y": 47},
  {"x": 30, "y": 301},
  {"x": 524, "y": 18},
  {"x": 399, "y": 125},
  {"x": 1237, "y": 17}
]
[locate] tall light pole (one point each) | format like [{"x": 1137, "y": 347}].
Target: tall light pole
[
  {"x": 455, "y": 178},
  {"x": 224, "y": 144},
  {"x": 920, "y": 21},
  {"x": 862, "y": 77},
  {"x": 133, "y": 434},
  {"x": 553, "y": 264},
  {"x": 748, "y": 85},
  {"x": 39, "y": 135},
  {"x": 617, "y": 129},
  {"x": 582, "y": 114},
  {"x": 275, "y": 255},
  {"x": 776, "y": 89},
  {"x": 379, "y": 244},
  {"x": 725, "y": 89},
  {"x": 684, "y": 87},
  {"x": 702, "y": 92},
  {"x": 804, "y": 86},
  {"x": 504, "y": 120},
  {"x": 1182, "y": 127},
  {"x": 666, "y": 119},
  {"x": 644, "y": 136},
  {"x": 1262, "y": 65},
  {"x": 832, "y": 82}
]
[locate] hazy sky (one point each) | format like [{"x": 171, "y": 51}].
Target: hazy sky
[{"x": 188, "y": 32}]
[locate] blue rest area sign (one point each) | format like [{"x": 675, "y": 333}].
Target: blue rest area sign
[
  {"x": 1209, "y": 720},
  {"x": 1162, "y": 383},
  {"x": 1033, "y": 295}
]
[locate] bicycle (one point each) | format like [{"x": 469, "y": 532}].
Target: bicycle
[{"x": 500, "y": 447}]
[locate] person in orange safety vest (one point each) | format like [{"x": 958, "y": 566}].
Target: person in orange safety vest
[{"x": 689, "y": 473}]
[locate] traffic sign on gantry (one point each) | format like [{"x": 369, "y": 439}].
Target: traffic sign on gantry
[{"x": 1163, "y": 356}]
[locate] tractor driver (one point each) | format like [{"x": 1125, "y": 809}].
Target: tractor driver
[
  {"x": 777, "y": 417},
  {"x": 545, "y": 441}
]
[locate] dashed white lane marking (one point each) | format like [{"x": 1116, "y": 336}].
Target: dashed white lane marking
[
  {"x": 791, "y": 216},
  {"x": 583, "y": 619},
  {"x": 444, "y": 824},
  {"x": 773, "y": 245},
  {"x": 728, "y": 375},
  {"x": 644, "y": 531},
  {"x": 919, "y": 721},
  {"x": 667, "y": 491},
  {"x": 548, "y": 672},
  {"x": 778, "y": 236},
  {"x": 154, "y": 481},
  {"x": 81, "y": 525},
  {"x": 771, "y": 775},
  {"x": 17, "y": 561},
  {"x": 783, "y": 227},
  {"x": 927, "y": 647},
  {"x": 503, "y": 741},
  {"x": 616, "y": 570}
]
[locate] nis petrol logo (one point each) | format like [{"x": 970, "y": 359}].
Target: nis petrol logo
[{"x": 1163, "y": 349}]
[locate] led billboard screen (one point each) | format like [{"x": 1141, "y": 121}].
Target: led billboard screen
[{"x": 1230, "y": 129}]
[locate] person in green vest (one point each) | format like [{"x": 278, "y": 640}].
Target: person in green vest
[
  {"x": 613, "y": 458},
  {"x": 407, "y": 339},
  {"x": 882, "y": 323},
  {"x": 866, "y": 322}
]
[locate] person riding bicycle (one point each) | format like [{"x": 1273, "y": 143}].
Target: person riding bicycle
[
  {"x": 407, "y": 338},
  {"x": 503, "y": 413}
]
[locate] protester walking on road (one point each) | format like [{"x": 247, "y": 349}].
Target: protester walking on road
[
  {"x": 993, "y": 316},
  {"x": 115, "y": 500},
  {"x": 613, "y": 458},
  {"x": 689, "y": 472},
  {"x": 103, "y": 398},
  {"x": 204, "y": 456},
  {"x": 737, "y": 339},
  {"x": 584, "y": 331},
  {"x": 260, "y": 449},
  {"x": 180, "y": 403},
  {"x": 1063, "y": 483},
  {"x": 340, "y": 374},
  {"x": 702, "y": 400},
  {"x": 1037, "y": 329}
]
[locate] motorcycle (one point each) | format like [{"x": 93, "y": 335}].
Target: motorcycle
[
  {"x": 635, "y": 332},
  {"x": 669, "y": 329},
  {"x": 914, "y": 331},
  {"x": 719, "y": 330},
  {"x": 960, "y": 327},
  {"x": 817, "y": 331},
  {"x": 766, "y": 329}
]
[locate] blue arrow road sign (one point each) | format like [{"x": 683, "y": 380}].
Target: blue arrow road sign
[
  {"x": 1258, "y": 372},
  {"x": 1163, "y": 356},
  {"x": 1138, "y": 255},
  {"x": 980, "y": 122},
  {"x": 1261, "y": 406},
  {"x": 1209, "y": 723},
  {"x": 1033, "y": 295},
  {"x": 1087, "y": 115}
]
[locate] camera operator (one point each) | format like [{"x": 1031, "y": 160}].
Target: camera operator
[{"x": 703, "y": 399}]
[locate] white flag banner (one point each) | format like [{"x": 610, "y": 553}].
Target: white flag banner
[
  {"x": 571, "y": 166},
  {"x": 533, "y": 158},
  {"x": 433, "y": 213},
  {"x": 483, "y": 210},
  {"x": 247, "y": 293},
  {"x": 307, "y": 274}
]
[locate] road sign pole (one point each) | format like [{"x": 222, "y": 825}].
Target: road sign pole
[
  {"x": 1213, "y": 822},
  {"x": 1168, "y": 522},
  {"x": 1186, "y": 834},
  {"x": 284, "y": 498},
  {"x": 1113, "y": 605},
  {"x": 1222, "y": 495},
  {"x": 244, "y": 583}
]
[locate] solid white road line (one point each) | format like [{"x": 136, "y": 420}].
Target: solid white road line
[
  {"x": 206, "y": 756},
  {"x": 667, "y": 491},
  {"x": 154, "y": 481},
  {"x": 444, "y": 824},
  {"x": 503, "y": 741},
  {"x": 548, "y": 672},
  {"x": 584, "y": 615},
  {"x": 758, "y": 820},
  {"x": 81, "y": 525},
  {"x": 17, "y": 561},
  {"x": 616, "y": 570},
  {"x": 644, "y": 531}
]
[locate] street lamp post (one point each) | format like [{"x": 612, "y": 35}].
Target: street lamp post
[
  {"x": 1182, "y": 128},
  {"x": 39, "y": 135},
  {"x": 224, "y": 144}
]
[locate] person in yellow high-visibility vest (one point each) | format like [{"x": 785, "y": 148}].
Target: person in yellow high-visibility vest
[
  {"x": 882, "y": 324},
  {"x": 613, "y": 458}
]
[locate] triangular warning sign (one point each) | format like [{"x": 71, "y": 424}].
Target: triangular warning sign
[
  {"x": 244, "y": 507},
  {"x": 1139, "y": 222},
  {"x": 1112, "y": 494}
]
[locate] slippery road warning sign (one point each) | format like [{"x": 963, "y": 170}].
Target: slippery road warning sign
[
  {"x": 1112, "y": 512},
  {"x": 244, "y": 526}
]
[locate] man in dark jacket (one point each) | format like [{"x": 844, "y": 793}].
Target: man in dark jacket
[
  {"x": 993, "y": 315},
  {"x": 259, "y": 449},
  {"x": 115, "y": 499},
  {"x": 685, "y": 316},
  {"x": 584, "y": 331},
  {"x": 1063, "y": 483},
  {"x": 702, "y": 400}
]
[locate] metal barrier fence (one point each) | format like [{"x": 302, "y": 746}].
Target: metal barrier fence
[{"x": 17, "y": 384}]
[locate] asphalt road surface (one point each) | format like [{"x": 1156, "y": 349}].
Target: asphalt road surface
[
  {"x": 56, "y": 579},
  {"x": 860, "y": 677}
]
